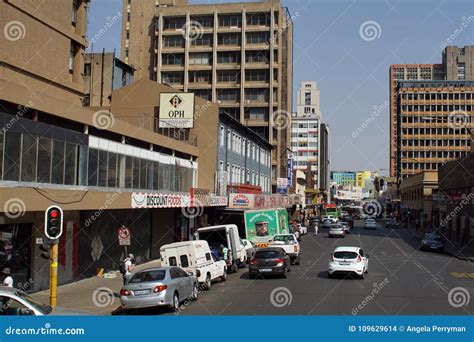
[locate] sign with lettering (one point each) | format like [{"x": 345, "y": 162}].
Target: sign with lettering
[{"x": 176, "y": 110}]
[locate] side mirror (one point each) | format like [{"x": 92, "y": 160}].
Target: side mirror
[{"x": 26, "y": 312}]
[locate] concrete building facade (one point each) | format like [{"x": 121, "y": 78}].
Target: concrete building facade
[{"x": 236, "y": 54}]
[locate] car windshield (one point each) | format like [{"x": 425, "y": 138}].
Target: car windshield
[
  {"x": 267, "y": 255},
  {"x": 432, "y": 237},
  {"x": 145, "y": 276},
  {"x": 43, "y": 308},
  {"x": 284, "y": 238},
  {"x": 345, "y": 255}
]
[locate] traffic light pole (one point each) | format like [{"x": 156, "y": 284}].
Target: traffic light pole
[{"x": 53, "y": 274}]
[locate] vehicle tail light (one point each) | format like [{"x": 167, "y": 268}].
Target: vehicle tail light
[
  {"x": 159, "y": 288},
  {"x": 280, "y": 262},
  {"x": 295, "y": 248},
  {"x": 253, "y": 261},
  {"x": 124, "y": 292},
  {"x": 359, "y": 258}
]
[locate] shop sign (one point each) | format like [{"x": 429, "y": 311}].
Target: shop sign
[
  {"x": 158, "y": 200},
  {"x": 242, "y": 201},
  {"x": 176, "y": 110},
  {"x": 200, "y": 197}
]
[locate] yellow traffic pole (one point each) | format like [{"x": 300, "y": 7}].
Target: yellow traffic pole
[{"x": 53, "y": 275}]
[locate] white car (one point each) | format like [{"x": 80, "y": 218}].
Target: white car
[
  {"x": 337, "y": 230},
  {"x": 290, "y": 244},
  {"x": 249, "y": 248},
  {"x": 370, "y": 223},
  {"x": 348, "y": 260}
]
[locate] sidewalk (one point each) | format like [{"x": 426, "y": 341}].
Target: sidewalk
[
  {"x": 97, "y": 295},
  {"x": 454, "y": 249}
]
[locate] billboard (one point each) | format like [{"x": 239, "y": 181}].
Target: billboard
[
  {"x": 290, "y": 171},
  {"x": 282, "y": 185},
  {"x": 262, "y": 225},
  {"x": 176, "y": 110}
]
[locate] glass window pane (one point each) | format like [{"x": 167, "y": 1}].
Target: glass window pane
[
  {"x": 1, "y": 154},
  {"x": 103, "y": 168},
  {"x": 136, "y": 173},
  {"x": 92, "y": 167},
  {"x": 12, "y": 156},
  {"x": 112, "y": 176},
  {"x": 128, "y": 172},
  {"x": 143, "y": 164},
  {"x": 43, "y": 172},
  {"x": 155, "y": 175},
  {"x": 70, "y": 164},
  {"x": 150, "y": 173},
  {"x": 164, "y": 177},
  {"x": 83, "y": 152},
  {"x": 58, "y": 162},
  {"x": 28, "y": 158}
]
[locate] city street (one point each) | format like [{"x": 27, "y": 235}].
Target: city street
[{"x": 407, "y": 282}]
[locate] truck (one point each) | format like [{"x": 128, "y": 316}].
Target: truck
[
  {"x": 263, "y": 224},
  {"x": 228, "y": 236}
]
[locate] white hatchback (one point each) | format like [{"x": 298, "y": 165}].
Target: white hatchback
[
  {"x": 370, "y": 223},
  {"x": 350, "y": 260}
]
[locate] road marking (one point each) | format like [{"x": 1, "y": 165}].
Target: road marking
[{"x": 463, "y": 275}]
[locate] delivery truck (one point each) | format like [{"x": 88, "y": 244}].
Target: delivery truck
[{"x": 263, "y": 224}]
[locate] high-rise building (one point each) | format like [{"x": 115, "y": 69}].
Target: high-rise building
[
  {"x": 434, "y": 124},
  {"x": 236, "y": 54},
  {"x": 305, "y": 132},
  {"x": 457, "y": 64}
]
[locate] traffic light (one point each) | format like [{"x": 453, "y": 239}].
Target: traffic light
[
  {"x": 53, "y": 222},
  {"x": 45, "y": 249}
]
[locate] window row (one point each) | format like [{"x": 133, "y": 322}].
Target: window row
[
  {"x": 437, "y": 96},
  {"x": 239, "y": 175},
  {"x": 436, "y": 108},
  {"x": 436, "y": 142},
  {"x": 226, "y": 57}
]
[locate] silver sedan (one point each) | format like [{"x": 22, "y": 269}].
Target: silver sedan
[{"x": 159, "y": 286}]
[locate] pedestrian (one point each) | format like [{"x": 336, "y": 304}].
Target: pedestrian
[
  {"x": 126, "y": 267},
  {"x": 8, "y": 280},
  {"x": 316, "y": 229}
]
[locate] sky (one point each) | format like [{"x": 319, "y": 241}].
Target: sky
[{"x": 347, "y": 47}]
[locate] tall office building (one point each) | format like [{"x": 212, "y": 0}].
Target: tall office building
[
  {"x": 434, "y": 124},
  {"x": 457, "y": 64},
  {"x": 306, "y": 135},
  {"x": 236, "y": 54}
]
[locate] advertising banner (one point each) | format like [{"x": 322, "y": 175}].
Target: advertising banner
[{"x": 176, "y": 110}]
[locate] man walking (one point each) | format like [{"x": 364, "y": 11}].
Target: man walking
[
  {"x": 126, "y": 267},
  {"x": 8, "y": 280}
]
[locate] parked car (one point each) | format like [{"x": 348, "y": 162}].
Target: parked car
[
  {"x": 327, "y": 223},
  {"x": 160, "y": 286},
  {"x": 249, "y": 248},
  {"x": 228, "y": 236},
  {"x": 391, "y": 223},
  {"x": 432, "y": 242},
  {"x": 337, "y": 230},
  {"x": 348, "y": 260},
  {"x": 370, "y": 223},
  {"x": 269, "y": 261},
  {"x": 196, "y": 257},
  {"x": 290, "y": 244},
  {"x": 347, "y": 228},
  {"x": 15, "y": 302}
]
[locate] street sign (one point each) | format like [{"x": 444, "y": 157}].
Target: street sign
[{"x": 124, "y": 236}]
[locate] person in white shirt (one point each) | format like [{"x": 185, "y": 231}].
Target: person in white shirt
[
  {"x": 128, "y": 269},
  {"x": 8, "y": 280}
]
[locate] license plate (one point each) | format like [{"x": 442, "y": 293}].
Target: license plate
[
  {"x": 141, "y": 292},
  {"x": 265, "y": 270},
  {"x": 344, "y": 263}
]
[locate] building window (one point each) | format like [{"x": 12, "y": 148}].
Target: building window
[
  {"x": 74, "y": 12},
  {"x": 233, "y": 21},
  {"x": 307, "y": 98},
  {"x": 174, "y": 23},
  {"x": 202, "y": 58},
  {"x": 256, "y": 95},
  {"x": 173, "y": 41},
  {"x": 228, "y": 76},
  {"x": 229, "y": 39},
  {"x": 257, "y": 75},
  {"x": 87, "y": 69},
  {"x": 72, "y": 56},
  {"x": 228, "y": 57},
  {"x": 257, "y": 37},
  {"x": 257, "y": 57},
  {"x": 172, "y": 59},
  {"x": 222, "y": 136},
  {"x": 231, "y": 95},
  {"x": 257, "y": 113},
  {"x": 461, "y": 71}
]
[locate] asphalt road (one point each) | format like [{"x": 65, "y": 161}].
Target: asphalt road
[{"x": 401, "y": 281}]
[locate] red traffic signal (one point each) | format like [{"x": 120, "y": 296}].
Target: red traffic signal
[{"x": 53, "y": 222}]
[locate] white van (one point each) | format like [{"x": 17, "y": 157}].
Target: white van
[
  {"x": 195, "y": 257},
  {"x": 227, "y": 235}
]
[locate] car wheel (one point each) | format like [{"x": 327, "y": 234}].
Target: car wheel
[
  {"x": 195, "y": 292},
  {"x": 175, "y": 303},
  {"x": 330, "y": 276},
  {"x": 297, "y": 262},
  {"x": 224, "y": 275},
  {"x": 208, "y": 282},
  {"x": 362, "y": 276}
]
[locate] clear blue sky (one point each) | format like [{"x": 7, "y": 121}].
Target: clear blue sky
[{"x": 352, "y": 72}]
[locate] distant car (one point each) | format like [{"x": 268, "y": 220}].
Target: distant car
[
  {"x": 269, "y": 261},
  {"x": 159, "y": 286},
  {"x": 337, "y": 230},
  {"x": 348, "y": 260},
  {"x": 14, "y": 302},
  {"x": 370, "y": 223},
  {"x": 347, "y": 227},
  {"x": 432, "y": 242},
  {"x": 333, "y": 218},
  {"x": 249, "y": 248},
  {"x": 326, "y": 223},
  {"x": 391, "y": 223}
]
